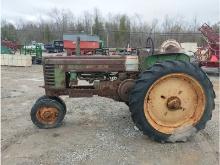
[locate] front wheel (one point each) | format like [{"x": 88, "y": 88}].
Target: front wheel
[
  {"x": 47, "y": 113},
  {"x": 57, "y": 98},
  {"x": 172, "y": 101}
]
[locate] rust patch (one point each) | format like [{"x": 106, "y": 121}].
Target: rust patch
[
  {"x": 173, "y": 103},
  {"x": 180, "y": 92},
  {"x": 47, "y": 115},
  {"x": 124, "y": 89}
]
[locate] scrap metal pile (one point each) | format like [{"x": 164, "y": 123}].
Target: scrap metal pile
[
  {"x": 9, "y": 47},
  {"x": 208, "y": 55}
]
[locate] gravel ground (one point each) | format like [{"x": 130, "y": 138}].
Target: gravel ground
[{"x": 95, "y": 130}]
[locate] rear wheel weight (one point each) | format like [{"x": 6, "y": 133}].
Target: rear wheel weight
[{"x": 172, "y": 103}]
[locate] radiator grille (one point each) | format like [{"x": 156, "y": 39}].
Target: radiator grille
[{"x": 49, "y": 74}]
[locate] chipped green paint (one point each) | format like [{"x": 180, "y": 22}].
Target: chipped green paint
[
  {"x": 73, "y": 76},
  {"x": 59, "y": 77},
  {"x": 151, "y": 60},
  {"x": 146, "y": 62}
]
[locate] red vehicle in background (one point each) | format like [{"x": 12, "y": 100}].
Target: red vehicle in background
[{"x": 88, "y": 43}]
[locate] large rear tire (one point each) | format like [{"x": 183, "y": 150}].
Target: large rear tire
[{"x": 172, "y": 101}]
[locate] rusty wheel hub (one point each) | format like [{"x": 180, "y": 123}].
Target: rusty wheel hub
[
  {"x": 47, "y": 115},
  {"x": 124, "y": 89},
  {"x": 174, "y": 101}
]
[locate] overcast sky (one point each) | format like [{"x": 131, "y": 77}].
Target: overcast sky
[{"x": 204, "y": 10}]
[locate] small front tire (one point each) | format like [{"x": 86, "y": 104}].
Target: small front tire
[
  {"x": 57, "y": 98},
  {"x": 47, "y": 113}
]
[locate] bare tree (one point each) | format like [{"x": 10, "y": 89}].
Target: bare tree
[{"x": 117, "y": 30}]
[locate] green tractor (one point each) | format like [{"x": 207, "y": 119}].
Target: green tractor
[
  {"x": 170, "y": 99},
  {"x": 35, "y": 50}
]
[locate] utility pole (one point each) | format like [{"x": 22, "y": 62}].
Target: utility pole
[
  {"x": 78, "y": 46},
  {"x": 107, "y": 40},
  {"x": 91, "y": 30}
]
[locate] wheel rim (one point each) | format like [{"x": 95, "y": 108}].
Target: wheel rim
[
  {"x": 47, "y": 115},
  {"x": 174, "y": 101}
]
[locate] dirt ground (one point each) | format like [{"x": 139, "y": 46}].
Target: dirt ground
[{"x": 95, "y": 130}]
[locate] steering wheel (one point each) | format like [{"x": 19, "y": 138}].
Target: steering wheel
[{"x": 150, "y": 46}]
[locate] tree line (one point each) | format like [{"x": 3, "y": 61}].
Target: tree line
[{"x": 117, "y": 30}]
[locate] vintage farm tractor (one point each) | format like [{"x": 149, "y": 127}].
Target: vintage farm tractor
[{"x": 169, "y": 98}]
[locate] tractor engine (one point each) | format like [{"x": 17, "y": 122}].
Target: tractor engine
[{"x": 85, "y": 76}]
